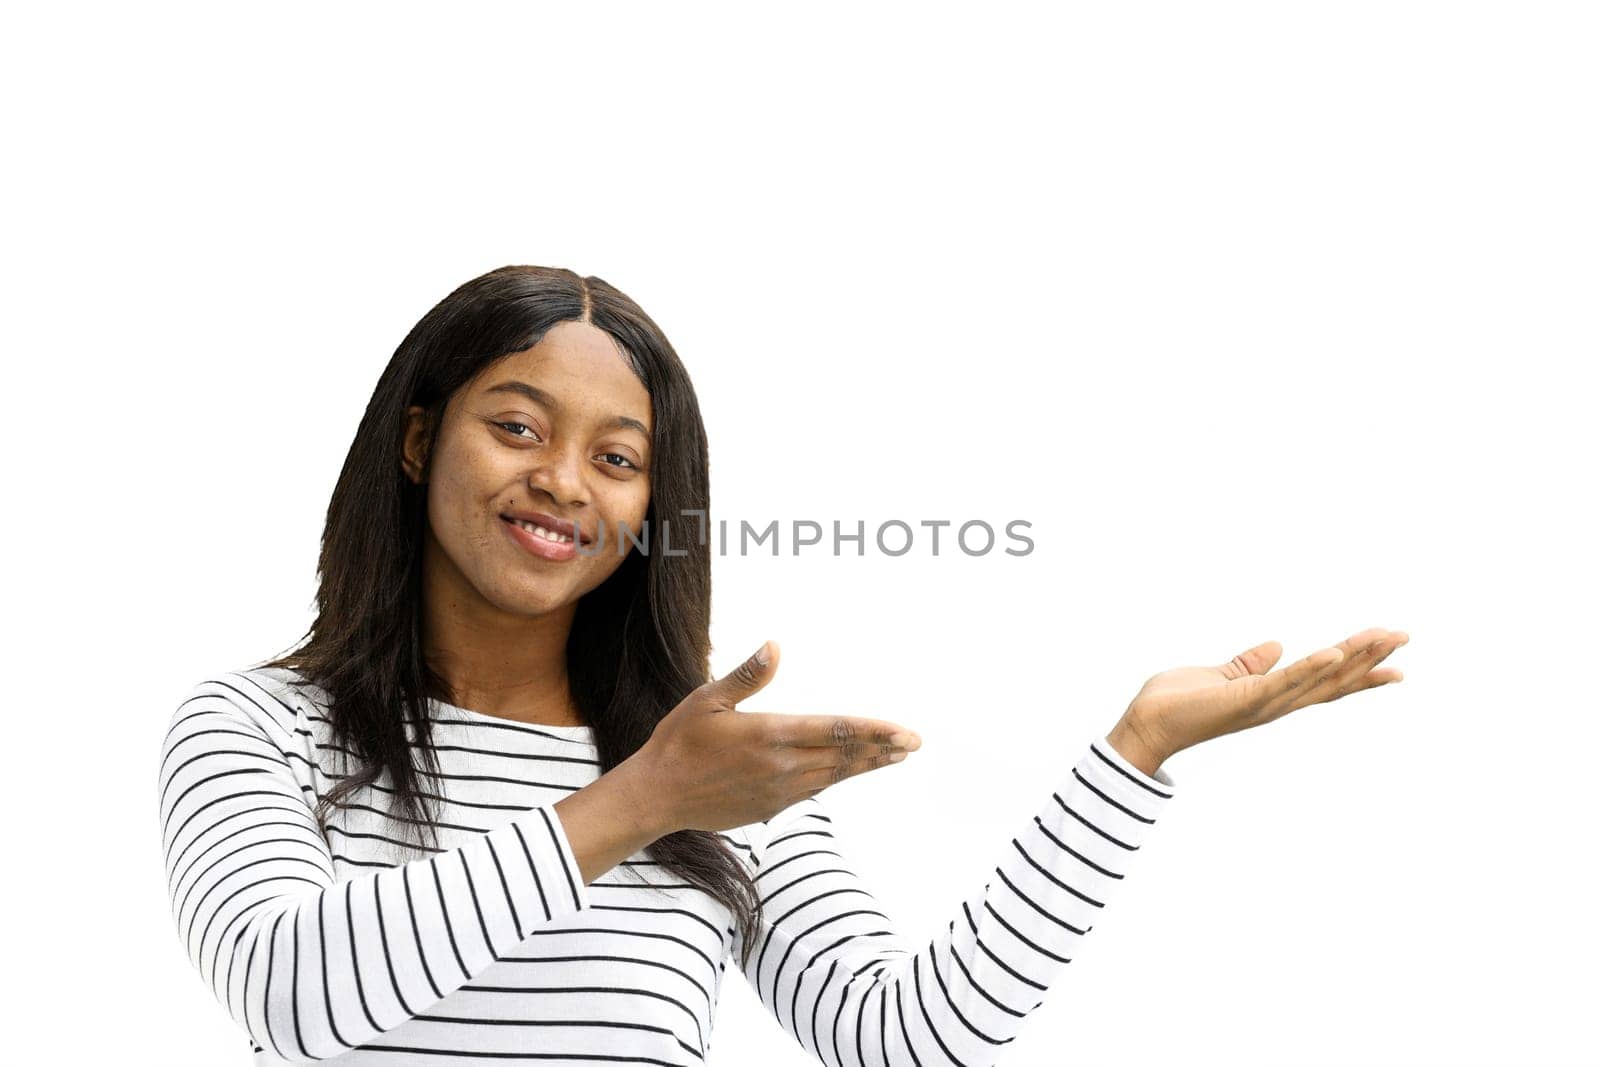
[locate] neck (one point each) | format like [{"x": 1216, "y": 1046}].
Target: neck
[{"x": 496, "y": 663}]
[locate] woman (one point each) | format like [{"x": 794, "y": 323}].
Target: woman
[{"x": 494, "y": 806}]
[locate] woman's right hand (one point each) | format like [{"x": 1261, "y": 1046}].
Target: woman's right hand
[{"x": 713, "y": 767}]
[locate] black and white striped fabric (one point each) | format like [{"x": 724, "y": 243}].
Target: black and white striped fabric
[{"x": 354, "y": 945}]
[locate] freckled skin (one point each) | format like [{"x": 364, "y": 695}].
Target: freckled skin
[{"x": 496, "y": 616}]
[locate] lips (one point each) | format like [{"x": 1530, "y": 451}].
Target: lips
[{"x": 565, "y": 527}]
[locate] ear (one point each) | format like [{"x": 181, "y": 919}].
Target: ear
[{"x": 414, "y": 448}]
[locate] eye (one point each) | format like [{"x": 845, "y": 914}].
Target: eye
[{"x": 512, "y": 427}]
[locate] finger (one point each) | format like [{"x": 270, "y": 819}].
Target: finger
[
  {"x": 1257, "y": 660},
  {"x": 834, "y": 771},
  {"x": 1363, "y": 652},
  {"x": 1300, "y": 677},
  {"x": 1377, "y": 678},
  {"x": 1381, "y": 649},
  {"x": 829, "y": 731},
  {"x": 748, "y": 677},
  {"x": 1368, "y": 681},
  {"x": 1357, "y": 644},
  {"x": 811, "y": 757}
]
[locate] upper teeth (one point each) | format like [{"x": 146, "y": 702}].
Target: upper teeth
[{"x": 540, "y": 531}]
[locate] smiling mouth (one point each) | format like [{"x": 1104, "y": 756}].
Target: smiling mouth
[{"x": 539, "y": 531}]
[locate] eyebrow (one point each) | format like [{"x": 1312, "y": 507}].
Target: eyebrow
[{"x": 539, "y": 396}]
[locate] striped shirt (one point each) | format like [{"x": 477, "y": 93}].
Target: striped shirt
[{"x": 347, "y": 943}]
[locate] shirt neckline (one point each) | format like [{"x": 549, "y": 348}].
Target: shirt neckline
[{"x": 584, "y": 734}]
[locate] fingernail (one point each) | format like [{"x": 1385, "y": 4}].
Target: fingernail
[
  {"x": 896, "y": 757},
  {"x": 761, "y": 654}
]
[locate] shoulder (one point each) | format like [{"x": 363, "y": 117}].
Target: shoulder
[{"x": 269, "y": 701}]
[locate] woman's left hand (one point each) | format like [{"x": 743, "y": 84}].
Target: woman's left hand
[{"x": 1183, "y": 707}]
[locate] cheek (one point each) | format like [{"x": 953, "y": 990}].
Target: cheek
[
  {"x": 618, "y": 508},
  {"x": 444, "y": 516},
  {"x": 629, "y": 510},
  {"x": 456, "y": 501},
  {"x": 637, "y": 499}
]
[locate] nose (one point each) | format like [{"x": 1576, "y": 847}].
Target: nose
[{"x": 559, "y": 472}]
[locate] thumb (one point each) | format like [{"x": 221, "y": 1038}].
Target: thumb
[
  {"x": 1258, "y": 660},
  {"x": 748, "y": 677}
]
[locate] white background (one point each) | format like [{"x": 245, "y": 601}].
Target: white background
[{"x": 1275, "y": 320}]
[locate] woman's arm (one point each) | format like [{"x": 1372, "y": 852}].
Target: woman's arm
[
  {"x": 836, "y": 974},
  {"x": 311, "y": 966}
]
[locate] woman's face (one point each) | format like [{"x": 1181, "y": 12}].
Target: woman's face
[{"x": 558, "y": 432}]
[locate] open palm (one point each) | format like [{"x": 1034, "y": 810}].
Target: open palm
[{"x": 1182, "y": 707}]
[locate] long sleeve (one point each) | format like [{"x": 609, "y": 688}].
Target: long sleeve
[
  {"x": 309, "y": 965},
  {"x": 837, "y": 975}
]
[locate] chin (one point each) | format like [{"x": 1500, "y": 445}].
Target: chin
[
  {"x": 528, "y": 595},
  {"x": 549, "y": 597}
]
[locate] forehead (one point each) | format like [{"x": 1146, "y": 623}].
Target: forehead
[{"x": 582, "y": 370}]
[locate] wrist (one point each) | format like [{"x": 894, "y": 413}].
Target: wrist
[
  {"x": 1135, "y": 745},
  {"x": 642, "y": 801}
]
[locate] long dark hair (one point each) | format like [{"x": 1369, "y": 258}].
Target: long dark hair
[{"x": 639, "y": 642}]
